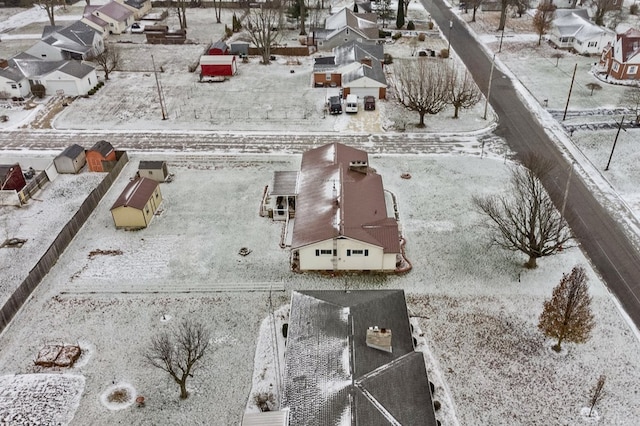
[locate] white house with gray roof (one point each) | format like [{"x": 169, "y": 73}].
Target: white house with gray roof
[
  {"x": 69, "y": 78},
  {"x": 13, "y": 84},
  {"x": 573, "y": 29},
  {"x": 345, "y": 26},
  {"x": 77, "y": 41}
]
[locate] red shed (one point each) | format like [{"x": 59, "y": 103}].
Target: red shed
[
  {"x": 11, "y": 177},
  {"x": 99, "y": 152},
  {"x": 218, "y": 48},
  {"x": 218, "y": 65}
]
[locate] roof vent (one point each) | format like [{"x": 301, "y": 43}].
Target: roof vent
[
  {"x": 358, "y": 166},
  {"x": 379, "y": 338}
]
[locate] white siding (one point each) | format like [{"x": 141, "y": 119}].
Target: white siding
[{"x": 371, "y": 258}]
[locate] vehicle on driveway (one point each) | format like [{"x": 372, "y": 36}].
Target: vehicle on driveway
[
  {"x": 136, "y": 28},
  {"x": 369, "y": 103},
  {"x": 335, "y": 106},
  {"x": 351, "y": 104}
]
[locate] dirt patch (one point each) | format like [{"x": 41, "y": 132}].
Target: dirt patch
[
  {"x": 100, "y": 252},
  {"x": 47, "y": 114}
]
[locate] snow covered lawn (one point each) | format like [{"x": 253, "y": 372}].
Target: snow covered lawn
[{"x": 477, "y": 307}]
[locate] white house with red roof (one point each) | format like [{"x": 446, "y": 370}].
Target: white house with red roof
[
  {"x": 344, "y": 219},
  {"x": 620, "y": 60}
]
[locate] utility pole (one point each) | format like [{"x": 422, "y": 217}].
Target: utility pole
[
  {"x": 160, "y": 97},
  {"x": 449, "y": 38},
  {"x": 501, "y": 37},
  {"x": 570, "y": 89},
  {"x": 615, "y": 141},
  {"x": 486, "y": 101}
]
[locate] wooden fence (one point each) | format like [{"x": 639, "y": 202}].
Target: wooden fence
[{"x": 58, "y": 246}]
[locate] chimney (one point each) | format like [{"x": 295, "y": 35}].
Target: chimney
[
  {"x": 358, "y": 166},
  {"x": 379, "y": 338},
  {"x": 4, "y": 63},
  {"x": 366, "y": 61}
]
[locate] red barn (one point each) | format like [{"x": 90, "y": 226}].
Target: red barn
[
  {"x": 99, "y": 152},
  {"x": 11, "y": 177},
  {"x": 218, "y": 48},
  {"x": 218, "y": 65}
]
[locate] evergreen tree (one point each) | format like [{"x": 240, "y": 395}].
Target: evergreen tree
[
  {"x": 567, "y": 315},
  {"x": 400, "y": 17}
]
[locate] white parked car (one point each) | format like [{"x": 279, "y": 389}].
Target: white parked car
[{"x": 136, "y": 28}]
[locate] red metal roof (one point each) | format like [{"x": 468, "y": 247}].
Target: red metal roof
[
  {"x": 136, "y": 194},
  {"x": 335, "y": 200}
]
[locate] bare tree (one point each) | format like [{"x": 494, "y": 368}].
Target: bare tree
[
  {"x": 557, "y": 56},
  {"x": 108, "y": 60},
  {"x": 50, "y": 7},
  {"x": 421, "y": 85},
  {"x": 181, "y": 6},
  {"x": 567, "y": 315},
  {"x": 385, "y": 13},
  {"x": 217, "y": 7},
  {"x": 475, "y": 5},
  {"x": 178, "y": 351},
  {"x": 262, "y": 27},
  {"x": 545, "y": 14},
  {"x": 463, "y": 90},
  {"x": 593, "y": 86},
  {"x": 525, "y": 219},
  {"x": 504, "y": 6},
  {"x": 601, "y": 8},
  {"x": 521, "y": 6},
  {"x": 631, "y": 98},
  {"x": 597, "y": 392}
]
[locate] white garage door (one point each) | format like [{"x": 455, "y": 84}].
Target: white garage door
[
  {"x": 62, "y": 87},
  {"x": 365, "y": 91}
]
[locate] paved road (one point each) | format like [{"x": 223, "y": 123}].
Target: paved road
[
  {"x": 601, "y": 237},
  {"x": 252, "y": 143}
]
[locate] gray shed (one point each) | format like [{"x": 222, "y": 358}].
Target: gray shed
[
  {"x": 239, "y": 48},
  {"x": 156, "y": 170},
  {"x": 71, "y": 160}
]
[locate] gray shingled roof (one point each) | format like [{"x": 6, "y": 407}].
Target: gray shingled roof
[
  {"x": 12, "y": 73},
  {"x": 150, "y": 165},
  {"x": 284, "y": 183},
  {"x": 332, "y": 375},
  {"x": 72, "y": 151},
  {"x": 335, "y": 201},
  {"x": 80, "y": 33},
  {"x": 354, "y": 52},
  {"x": 103, "y": 147},
  {"x": 76, "y": 69}
]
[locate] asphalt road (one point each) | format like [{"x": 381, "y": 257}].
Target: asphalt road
[{"x": 600, "y": 236}]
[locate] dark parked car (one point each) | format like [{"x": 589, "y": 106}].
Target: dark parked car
[
  {"x": 369, "y": 103},
  {"x": 335, "y": 106}
]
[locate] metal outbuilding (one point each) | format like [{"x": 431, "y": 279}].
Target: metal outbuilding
[{"x": 71, "y": 160}]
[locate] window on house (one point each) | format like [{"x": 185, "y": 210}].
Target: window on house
[
  {"x": 325, "y": 252},
  {"x": 13, "y": 86},
  {"x": 150, "y": 172},
  {"x": 592, "y": 44},
  {"x": 147, "y": 210},
  {"x": 157, "y": 195},
  {"x": 358, "y": 252},
  {"x": 328, "y": 76},
  {"x": 632, "y": 69},
  {"x": 579, "y": 43},
  {"x": 616, "y": 66}
]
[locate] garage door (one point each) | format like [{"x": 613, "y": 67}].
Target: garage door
[
  {"x": 365, "y": 91},
  {"x": 62, "y": 87}
]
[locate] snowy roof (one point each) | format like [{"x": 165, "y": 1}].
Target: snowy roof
[
  {"x": 136, "y": 194},
  {"x": 332, "y": 377},
  {"x": 575, "y": 23},
  {"x": 31, "y": 66},
  {"x": 284, "y": 183},
  {"x": 76, "y": 69},
  {"x": 103, "y": 147},
  {"x": 630, "y": 41},
  {"x": 335, "y": 200},
  {"x": 114, "y": 10},
  {"x": 366, "y": 23},
  {"x": 151, "y": 165},
  {"x": 72, "y": 151},
  {"x": 355, "y": 51},
  {"x": 12, "y": 73},
  {"x": 365, "y": 76}
]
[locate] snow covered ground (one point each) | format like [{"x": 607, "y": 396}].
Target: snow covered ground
[{"x": 477, "y": 307}]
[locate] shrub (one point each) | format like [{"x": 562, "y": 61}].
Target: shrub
[
  {"x": 411, "y": 26},
  {"x": 634, "y": 9},
  {"x": 388, "y": 59},
  {"x": 285, "y": 329},
  {"x": 383, "y": 34},
  {"x": 228, "y": 31},
  {"x": 38, "y": 90},
  {"x": 430, "y": 25},
  {"x": 436, "y": 405},
  {"x": 422, "y": 37},
  {"x": 265, "y": 401},
  {"x": 444, "y": 53},
  {"x": 396, "y": 36}
]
